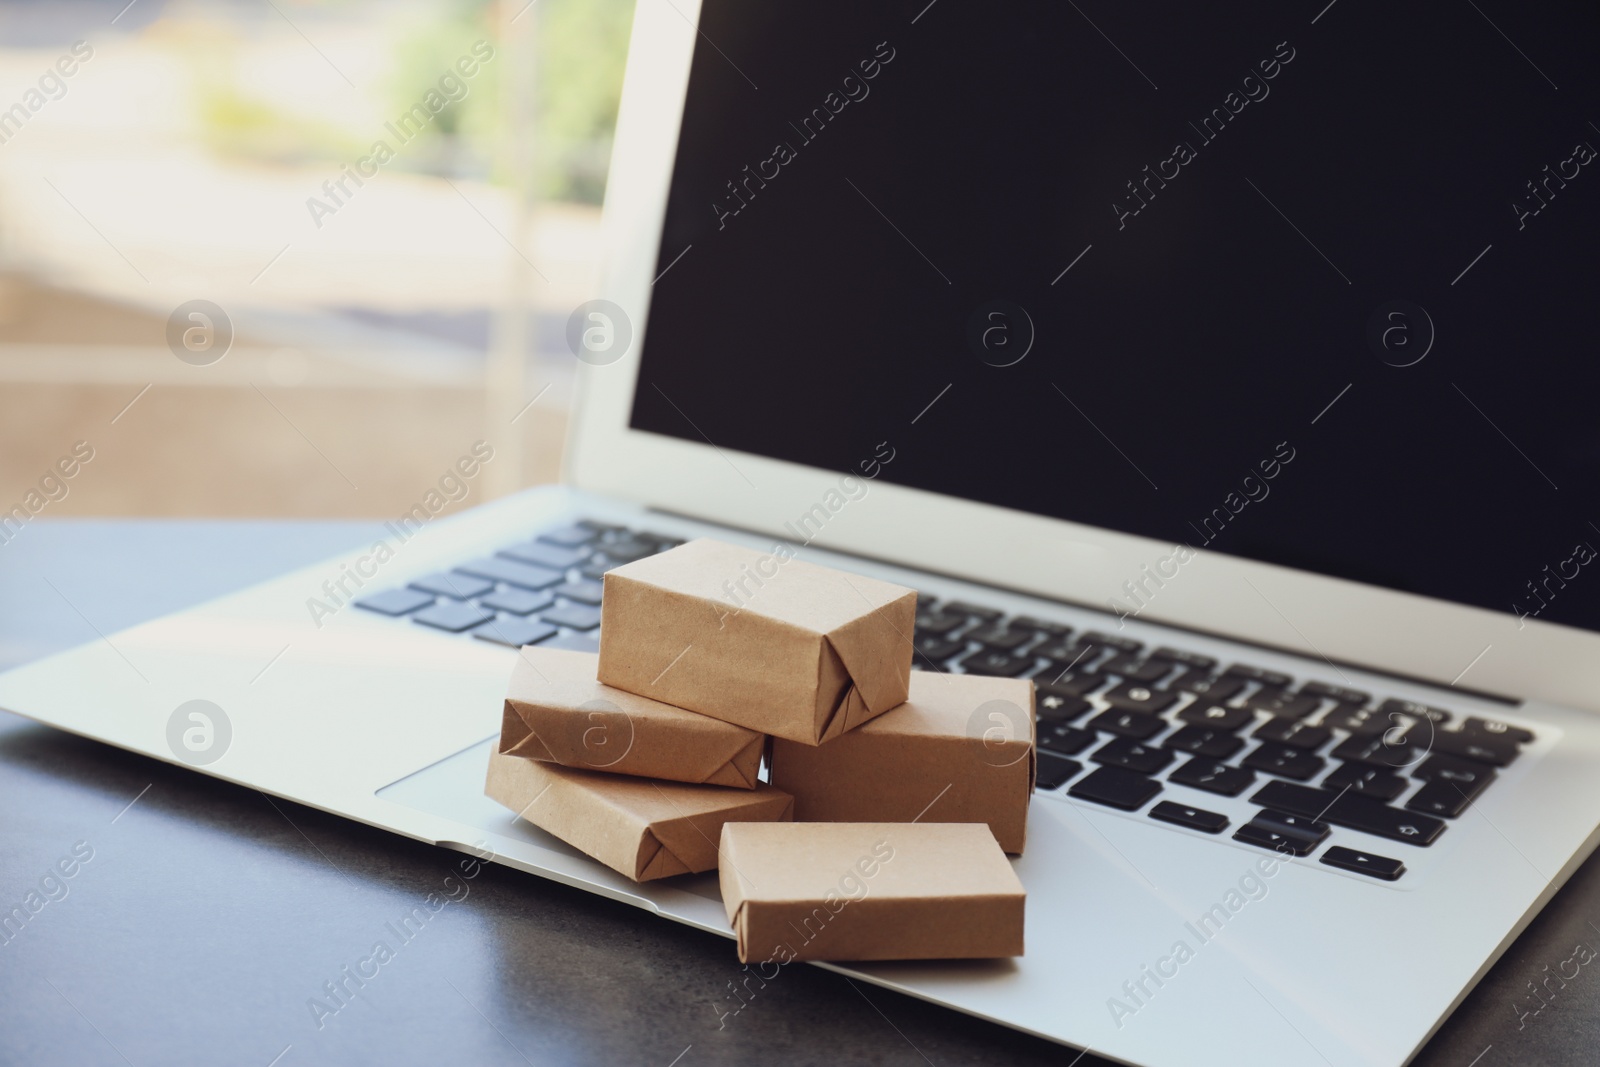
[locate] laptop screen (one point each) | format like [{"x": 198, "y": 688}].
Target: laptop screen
[{"x": 1312, "y": 287}]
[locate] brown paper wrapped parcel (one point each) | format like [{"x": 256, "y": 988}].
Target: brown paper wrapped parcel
[
  {"x": 639, "y": 827},
  {"x": 869, "y": 891},
  {"x": 763, "y": 640},
  {"x": 556, "y": 711},
  {"x": 960, "y": 749}
]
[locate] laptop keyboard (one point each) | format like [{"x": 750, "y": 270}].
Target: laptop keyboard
[
  {"x": 1118, "y": 723},
  {"x": 543, "y": 592}
]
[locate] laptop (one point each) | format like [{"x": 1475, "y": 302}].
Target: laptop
[{"x": 1224, "y": 371}]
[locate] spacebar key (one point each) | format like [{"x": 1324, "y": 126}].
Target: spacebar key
[{"x": 1352, "y": 811}]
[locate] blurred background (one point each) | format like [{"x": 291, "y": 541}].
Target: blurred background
[{"x": 389, "y": 305}]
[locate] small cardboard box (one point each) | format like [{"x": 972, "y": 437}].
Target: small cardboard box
[
  {"x": 639, "y": 827},
  {"x": 869, "y": 891},
  {"x": 556, "y": 711},
  {"x": 960, "y": 749},
  {"x": 759, "y": 639}
]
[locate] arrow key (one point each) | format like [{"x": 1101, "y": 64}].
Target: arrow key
[
  {"x": 1348, "y": 859},
  {"x": 1263, "y": 836},
  {"x": 1447, "y": 797},
  {"x": 1194, "y": 818}
]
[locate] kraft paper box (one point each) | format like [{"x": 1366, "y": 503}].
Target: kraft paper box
[
  {"x": 869, "y": 891},
  {"x": 639, "y": 827},
  {"x": 759, "y": 639},
  {"x": 556, "y": 711},
  {"x": 960, "y": 749}
]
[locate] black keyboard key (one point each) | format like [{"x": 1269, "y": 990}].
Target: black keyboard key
[
  {"x": 1283, "y": 705},
  {"x": 1437, "y": 716},
  {"x": 1136, "y": 669},
  {"x": 511, "y": 572},
  {"x": 570, "y": 536},
  {"x": 938, "y": 623},
  {"x": 1192, "y": 660},
  {"x": 1357, "y": 720},
  {"x": 662, "y": 541},
  {"x": 628, "y": 549},
  {"x": 1207, "y": 822},
  {"x": 450, "y": 584},
  {"x": 960, "y": 607},
  {"x": 516, "y": 602},
  {"x": 579, "y": 642},
  {"x": 599, "y": 527},
  {"x": 452, "y": 615},
  {"x": 1217, "y": 716},
  {"x": 998, "y": 638},
  {"x": 1134, "y": 724},
  {"x": 1059, "y": 707},
  {"x": 1206, "y": 687},
  {"x": 1494, "y": 728},
  {"x": 1285, "y": 762},
  {"x": 1053, "y": 771},
  {"x": 1075, "y": 683},
  {"x": 1445, "y": 798},
  {"x": 395, "y": 601},
  {"x": 1390, "y": 749},
  {"x": 1105, "y": 640},
  {"x": 1203, "y": 741},
  {"x": 542, "y": 555},
  {"x": 997, "y": 664},
  {"x": 936, "y": 648},
  {"x": 1213, "y": 777},
  {"x": 1495, "y": 751},
  {"x": 1469, "y": 774},
  {"x": 1116, "y": 788},
  {"x": 1348, "y": 859},
  {"x": 582, "y": 592},
  {"x": 1351, "y": 811},
  {"x": 513, "y": 632},
  {"x": 1064, "y": 740},
  {"x": 1336, "y": 693},
  {"x": 573, "y": 616},
  {"x": 1379, "y": 783},
  {"x": 1293, "y": 733},
  {"x": 596, "y": 570},
  {"x": 1268, "y": 679},
  {"x": 1128, "y": 753},
  {"x": 1069, "y": 655},
  {"x": 1292, "y": 825},
  {"x": 1136, "y": 696},
  {"x": 1045, "y": 626},
  {"x": 1255, "y": 833}
]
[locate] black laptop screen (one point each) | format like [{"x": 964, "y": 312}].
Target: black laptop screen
[{"x": 1308, "y": 283}]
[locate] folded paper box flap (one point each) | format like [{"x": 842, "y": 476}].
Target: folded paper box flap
[
  {"x": 557, "y": 711},
  {"x": 866, "y": 891},
  {"x": 639, "y": 827},
  {"x": 960, "y": 749},
  {"x": 870, "y": 646},
  {"x": 759, "y": 639}
]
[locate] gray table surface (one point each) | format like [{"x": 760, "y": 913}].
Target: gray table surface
[{"x": 208, "y": 917}]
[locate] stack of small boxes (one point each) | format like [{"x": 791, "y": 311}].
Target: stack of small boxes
[{"x": 893, "y": 794}]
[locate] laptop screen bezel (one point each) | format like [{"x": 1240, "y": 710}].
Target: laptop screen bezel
[{"x": 1310, "y": 614}]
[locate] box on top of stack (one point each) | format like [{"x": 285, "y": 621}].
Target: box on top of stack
[
  {"x": 762, "y": 640},
  {"x": 646, "y": 756}
]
